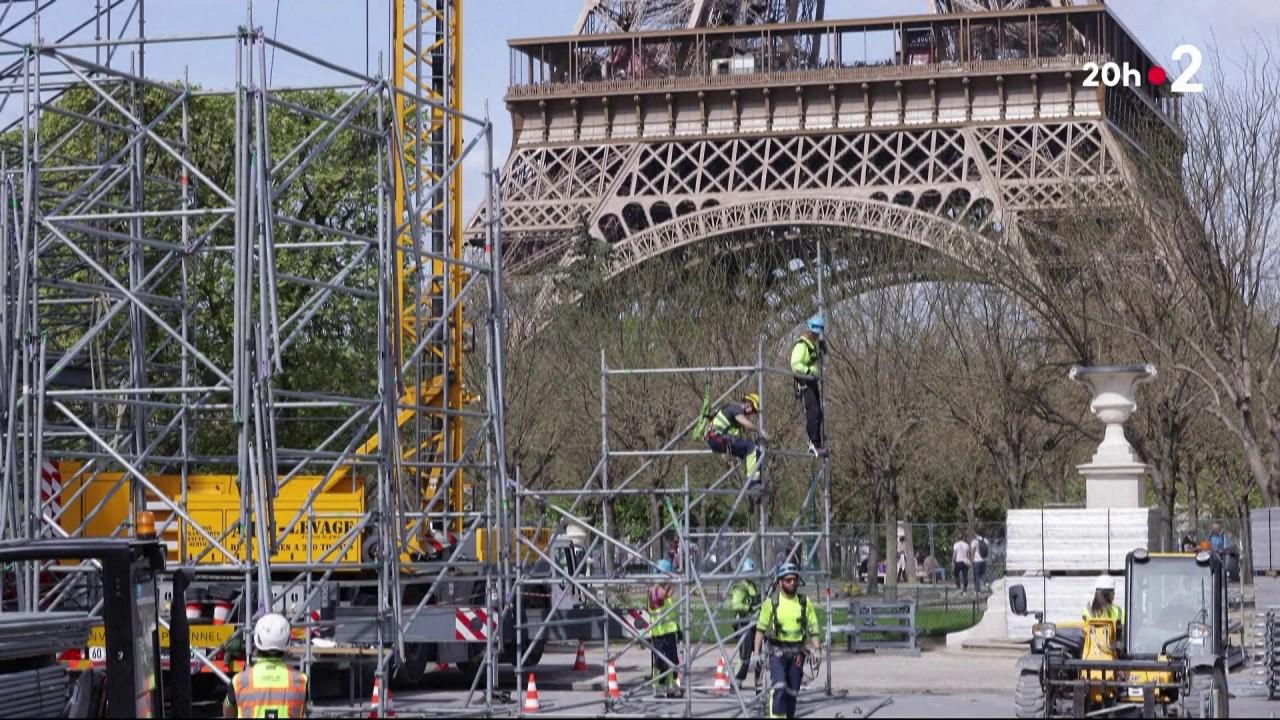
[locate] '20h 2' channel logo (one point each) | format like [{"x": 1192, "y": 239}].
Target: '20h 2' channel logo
[{"x": 1112, "y": 74}]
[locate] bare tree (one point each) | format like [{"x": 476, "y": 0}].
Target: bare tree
[
  {"x": 996, "y": 378},
  {"x": 877, "y": 343},
  {"x": 1211, "y": 248}
]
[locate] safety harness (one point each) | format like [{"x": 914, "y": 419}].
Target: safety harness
[{"x": 776, "y": 638}]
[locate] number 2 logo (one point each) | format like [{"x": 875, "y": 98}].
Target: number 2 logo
[{"x": 1183, "y": 83}]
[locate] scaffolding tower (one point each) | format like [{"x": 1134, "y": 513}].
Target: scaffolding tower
[
  {"x": 609, "y": 582},
  {"x": 287, "y": 394}
]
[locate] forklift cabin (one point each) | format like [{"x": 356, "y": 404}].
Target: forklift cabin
[{"x": 130, "y": 612}]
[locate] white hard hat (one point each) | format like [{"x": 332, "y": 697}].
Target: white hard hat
[
  {"x": 271, "y": 632},
  {"x": 1104, "y": 582}
]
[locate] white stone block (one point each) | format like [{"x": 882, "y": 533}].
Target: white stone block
[
  {"x": 1114, "y": 487},
  {"x": 1264, "y": 530},
  {"x": 1077, "y": 540}
]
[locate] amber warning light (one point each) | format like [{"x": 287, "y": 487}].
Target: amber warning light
[{"x": 146, "y": 528}]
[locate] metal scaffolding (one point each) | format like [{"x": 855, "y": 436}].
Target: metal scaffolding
[
  {"x": 608, "y": 587},
  {"x": 165, "y": 307}
]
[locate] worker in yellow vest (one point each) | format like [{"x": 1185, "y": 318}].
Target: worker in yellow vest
[
  {"x": 664, "y": 634},
  {"x": 806, "y": 356},
  {"x": 744, "y": 601},
  {"x": 1104, "y": 605},
  {"x": 269, "y": 688},
  {"x": 790, "y": 623}
]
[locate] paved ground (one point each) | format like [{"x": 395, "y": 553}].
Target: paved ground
[{"x": 937, "y": 683}]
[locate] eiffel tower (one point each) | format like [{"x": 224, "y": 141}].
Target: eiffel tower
[{"x": 664, "y": 124}]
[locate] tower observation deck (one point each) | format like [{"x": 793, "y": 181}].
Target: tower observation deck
[{"x": 906, "y": 125}]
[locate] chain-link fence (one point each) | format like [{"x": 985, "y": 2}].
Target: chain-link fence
[{"x": 927, "y": 553}]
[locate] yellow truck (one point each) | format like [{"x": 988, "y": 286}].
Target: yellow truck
[{"x": 452, "y": 628}]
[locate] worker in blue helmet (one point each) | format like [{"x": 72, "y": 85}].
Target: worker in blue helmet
[
  {"x": 806, "y": 356},
  {"x": 789, "y": 623},
  {"x": 744, "y": 601},
  {"x": 664, "y": 634}
]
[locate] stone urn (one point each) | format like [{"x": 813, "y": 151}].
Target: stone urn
[{"x": 1114, "y": 478}]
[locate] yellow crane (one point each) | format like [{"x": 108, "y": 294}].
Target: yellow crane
[{"x": 427, "y": 63}]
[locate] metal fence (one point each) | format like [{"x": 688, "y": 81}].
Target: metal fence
[{"x": 925, "y": 551}]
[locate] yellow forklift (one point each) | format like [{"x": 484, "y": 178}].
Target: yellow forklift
[{"x": 1167, "y": 659}]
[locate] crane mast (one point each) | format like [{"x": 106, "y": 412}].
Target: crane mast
[{"x": 426, "y": 64}]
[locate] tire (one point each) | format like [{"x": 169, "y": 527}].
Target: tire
[
  {"x": 412, "y": 670},
  {"x": 469, "y": 668},
  {"x": 1028, "y": 696},
  {"x": 1208, "y": 696},
  {"x": 535, "y": 655}
]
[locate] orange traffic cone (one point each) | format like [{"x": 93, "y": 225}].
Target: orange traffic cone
[
  {"x": 531, "y": 696},
  {"x": 580, "y": 663},
  {"x": 373, "y": 701},
  {"x": 721, "y": 686},
  {"x": 613, "y": 691}
]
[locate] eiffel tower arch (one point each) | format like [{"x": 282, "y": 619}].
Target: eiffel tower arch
[{"x": 932, "y": 129}]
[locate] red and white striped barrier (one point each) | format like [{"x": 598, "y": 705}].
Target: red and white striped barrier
[
  {"x": 472, "y": 624},
  {"x": 50, "y": 494}
]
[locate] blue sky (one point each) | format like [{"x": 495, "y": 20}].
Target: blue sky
[{"x": 335, "y": 29}]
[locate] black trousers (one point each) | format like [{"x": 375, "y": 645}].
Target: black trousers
[
  {"x": 786, "y": 673},
  {"x": 746, "y": 643},
  {"x": 812, "y": 412},
  {"x": 666, "y": 656}
]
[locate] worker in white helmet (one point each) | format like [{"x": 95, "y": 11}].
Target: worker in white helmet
[
  {"x": 269, "y": 688},
  {"x": 1104, "y": 605}
]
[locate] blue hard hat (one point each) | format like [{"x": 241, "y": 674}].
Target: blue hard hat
[
  {"x": 816, "y": 324},
  {"x": 748, "y": 565},
  {"x": 786, "y": 569},
  {"x": 664, "y": 566}
]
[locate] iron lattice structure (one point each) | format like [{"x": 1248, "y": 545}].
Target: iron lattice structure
[
  {"x": 286, "y": 393},
  {"x": 925, "y": 128},
  {"x": 610, "y": 16}
]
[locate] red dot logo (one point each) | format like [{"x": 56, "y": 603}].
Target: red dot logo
[{"x": 1156, "y": 75}]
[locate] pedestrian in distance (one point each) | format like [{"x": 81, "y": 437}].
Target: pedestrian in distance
[
  {"x": 960, "y": 555},
  {"x": 1218, "y": 540},
  {"x": 725, "y": 432},
  {"x": 269, "y": 687},
  {"x": 806, "y": 356},
  {"x": 981, "y": 554},
  {"x": 744, "y": 601},
  {"x": 788, "y": 622},
  {"x": 664, "y": 634}
]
